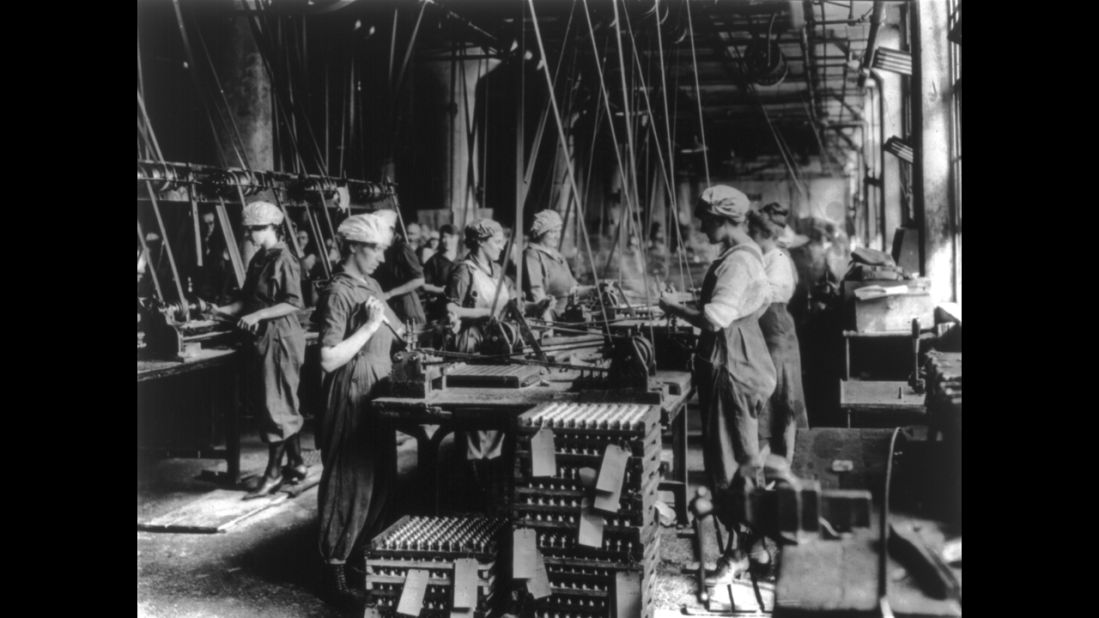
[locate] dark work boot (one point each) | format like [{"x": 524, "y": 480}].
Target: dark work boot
[
  {"x": 337, "y": 590},
  {"x": 272, "y": 478},
  {"x": 295, "y": 469}
]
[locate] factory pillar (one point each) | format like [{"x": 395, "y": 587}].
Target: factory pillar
[
  {"x": 931, "y": 127},
  {"x": 248, "y": 90},
  {"x": 459, "y": 79}
]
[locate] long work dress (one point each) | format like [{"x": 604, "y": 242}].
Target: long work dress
[
  {"x": 358, "y": 452},
  {"x": 546, "y": 273},
  {"x": 733, "y": 370},
  {"x": 471, "y": 286},
  {"x": 785, "y": 411},
  {"x": 274, "y": 355}
]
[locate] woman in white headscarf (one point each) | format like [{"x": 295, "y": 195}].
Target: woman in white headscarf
[
  {"x": 546, "y": 274},
  {"x": 357, "y": 452},
  {"x": 275, "y": 346},
  {"x": 733, "y": 371},
  {"x": 785, "y": 411}
]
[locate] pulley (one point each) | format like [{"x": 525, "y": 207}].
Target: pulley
[{"x": 764, "y": 62}]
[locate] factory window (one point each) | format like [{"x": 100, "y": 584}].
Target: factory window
[{"x": 954, "y": 24}]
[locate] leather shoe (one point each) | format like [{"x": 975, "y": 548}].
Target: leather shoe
[
  {"x": 268, "y": 487},
  {"x": 295, "y": 474}
]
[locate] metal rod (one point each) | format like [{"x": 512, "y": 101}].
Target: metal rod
[
  {"x": 194, "y": 222},
  {"x": 564, "y": 143},
  {"x": 230, "y": 242},
  {"x": 167, "y": 246}
]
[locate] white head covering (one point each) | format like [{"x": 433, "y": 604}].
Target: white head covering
[
  {"x": 262, "y": 213},
  {"x": 366, "y": 228},
  {"x": 545, "y": 221},
  {"x": 387, "y": 216},
  {"x": 725, "y": 201}
]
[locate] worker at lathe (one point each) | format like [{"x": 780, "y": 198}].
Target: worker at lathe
[{"x": 733, "y": 371}]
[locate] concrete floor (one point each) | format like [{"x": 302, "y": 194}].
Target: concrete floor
[{"x": 268, "y": 564}]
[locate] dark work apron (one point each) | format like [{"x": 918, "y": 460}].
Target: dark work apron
[{"x": 734, "y": 376}]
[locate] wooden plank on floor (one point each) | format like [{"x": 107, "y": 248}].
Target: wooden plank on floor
[{"x": 214, "y": 512}]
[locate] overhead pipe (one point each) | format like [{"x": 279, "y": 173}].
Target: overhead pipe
[{"x": 880, "y": 95}]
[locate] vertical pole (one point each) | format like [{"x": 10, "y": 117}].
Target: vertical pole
[{"x": 931, "y": 128}]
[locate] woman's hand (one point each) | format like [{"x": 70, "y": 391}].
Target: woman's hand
[
  {"x": 668, "y": 303},
  {"x": 249, "y": 323},
  {"x": 375, "y": 312},
  {"x": 544, "y": 304}
]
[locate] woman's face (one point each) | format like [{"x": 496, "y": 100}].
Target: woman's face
[
  {"x": 262, "y": 235},
  {"x": 494, "y": 246},
  {"x": 303, "y": 239},
  {"x": 711, "y": 227},
  {"x": 367, "y": 258},
  {"x": 766, "y": 244},
  {"x": 551, "y": 238},
  {"x": 450, "y": 242}
]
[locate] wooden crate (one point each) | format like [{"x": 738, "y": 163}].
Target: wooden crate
[{"x": 894, "y": 313}]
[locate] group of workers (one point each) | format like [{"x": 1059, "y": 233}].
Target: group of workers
[{"x": 746, "y": 367}]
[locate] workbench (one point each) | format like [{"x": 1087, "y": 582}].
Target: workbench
[
  {"x": 890, "y": 402},
  {"x": 208, "y": 381},
  {"x": 471, "y": 409},
  {"x": 183, "y": 398}
]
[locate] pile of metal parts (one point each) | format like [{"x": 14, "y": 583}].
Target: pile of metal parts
[
  {"x": 491, "y": 376},
  {"x": 943, "y": 375},
  {"x": 943, "y": 371},
  {"x": 435, "y": 566},
  {"x": 586, "y": 485}
]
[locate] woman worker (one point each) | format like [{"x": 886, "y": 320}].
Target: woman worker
[
  {"x": 785, "y": 412},
  {"x": 733, "y": 371},
  {"x": 545, "y": 271},
  {"x": 402, "y": 274},
  {"x": 477, "y": 291},
  {"x": 437, "y": 272},
  {"x": 275, "y": 348},
  {"x": 357, "y": 453}
]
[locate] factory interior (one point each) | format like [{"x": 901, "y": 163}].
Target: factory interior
[{"x": 549, "y": 308}]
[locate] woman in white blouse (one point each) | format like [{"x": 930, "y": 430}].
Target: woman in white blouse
[{"x": 785, "y": 411}]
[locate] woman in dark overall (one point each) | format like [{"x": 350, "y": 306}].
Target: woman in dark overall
[
  {"x": 545, "y": 271},
  {"x": 733, "y": 371},
  {"x": 778, "y": 426},
  {"x": 358, "y": 453},
  {"x": 477, "y": 291},
  {"x": 401, "y": 275},
  {"x": 275, "y": 344}
]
